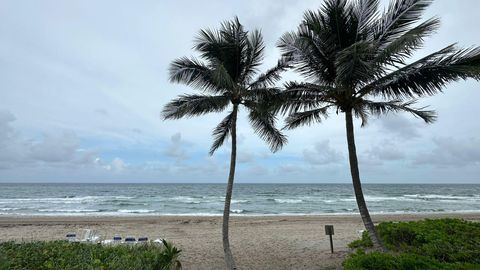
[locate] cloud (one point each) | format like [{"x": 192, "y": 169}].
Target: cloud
[
  {"x": 400, "y": 126},
  {"x": 176, "y": 149},
  {"x": 48, "y": 150},
  {"x": 322, "y": 154},
  {"x": 451, "y": 152},
  {"x": 117, "y": 165},
  {"x": 245, "y": 157},
  {"x": 385, "y": 151}
]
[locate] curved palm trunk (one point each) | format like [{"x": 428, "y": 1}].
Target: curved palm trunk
[
  {"x": 229, "y": 260},
  {"x": 357, "y": 186}
]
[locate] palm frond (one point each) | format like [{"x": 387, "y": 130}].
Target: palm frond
[
  {"x": 305, "y": 51},
  {"x": 192, "y": 72},
  {"x": 404, "y": 46},
  {"x": 263, "y": 123},
  {"x": 366, "y": 12},
  {"x": 222, "y": 131},
  {"x": 354, "y": 64},
  {"x": 428, "y": 75},
  {"x": 253, "y": 56},
  {"x": 380, "y": 108},
  {"x": 306, "y": 118},
  {"x": 400, "y": 16},
  {"x": 303, "y": 96},
  {"x": 194, "y": 105},
  {"x": 270, "y": 76}
]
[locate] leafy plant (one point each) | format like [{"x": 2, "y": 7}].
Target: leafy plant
[
  {"x": 61, "y": 255},
  {"x": 449, "y": 243}
]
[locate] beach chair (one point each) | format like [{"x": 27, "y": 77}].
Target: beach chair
[
  {"x": 130, "y": 240},
  {"x": 71, "y": 237},
  {"x": 117, "y": 239},
  {"x": 90, "y": 236}
]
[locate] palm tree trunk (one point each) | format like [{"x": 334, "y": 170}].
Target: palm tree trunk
[
  {"x": 229, "y": 260},
  {"x": 357, "y": 185}
]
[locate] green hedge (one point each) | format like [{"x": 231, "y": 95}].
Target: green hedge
[
  {"x": 64, "y": 255},
  {"x": 427, "y": 244}
]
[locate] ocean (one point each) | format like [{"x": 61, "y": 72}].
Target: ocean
[{"x": 248, "y": 199}]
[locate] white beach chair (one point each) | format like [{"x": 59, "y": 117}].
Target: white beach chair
[
  {"x": 117, "y": 239},
  {"x": 90, "y": 236}
]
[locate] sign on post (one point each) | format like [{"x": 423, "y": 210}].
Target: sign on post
[{"x": 329, "y": 231}]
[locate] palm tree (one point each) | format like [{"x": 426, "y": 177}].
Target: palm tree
[
  {"x": 227, "y": 74},
  {"x": 354, "y": 58}
]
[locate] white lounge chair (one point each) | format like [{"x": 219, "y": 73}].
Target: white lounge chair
[{"x": 90, "y": 236}]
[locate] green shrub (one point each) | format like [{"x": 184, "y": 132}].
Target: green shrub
[
  {"x": 364, "y": 242},
  {"x": 405, "y": 261},
  {"x": 449, "y": 244},
  {"x": 446, "y": 240},
  {"x": 62, "y": 255}
]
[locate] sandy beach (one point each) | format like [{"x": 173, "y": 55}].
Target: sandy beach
[{"x": 280, "y": 242}]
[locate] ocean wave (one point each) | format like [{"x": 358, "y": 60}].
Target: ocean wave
[
  {"x": 65, "y": 199},
  {"x": 443, "y": 197},
  {"x": 70, "y": 210},
  {"x": 9, "y": 209},
  {"x": 288, "y": 200},
  {"x": 136, "y": 211}
]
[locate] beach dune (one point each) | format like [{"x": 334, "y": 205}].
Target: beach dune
[{"x": 277, "y": 242}]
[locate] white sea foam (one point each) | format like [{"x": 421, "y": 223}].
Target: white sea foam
[
  {"x": 288, "y": 200},
  {"x": 140, "y": 211}
]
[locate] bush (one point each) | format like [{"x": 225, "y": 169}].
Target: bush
[
  {"x": 405, "y": 261},
  {"x": 64, "y": 255},
  {"x": 447, "y": 240},
  {"x": 428, "y": 244}
]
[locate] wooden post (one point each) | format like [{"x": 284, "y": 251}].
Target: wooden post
[{"x": 329, "y": 231}]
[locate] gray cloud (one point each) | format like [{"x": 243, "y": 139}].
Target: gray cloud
[
  {"x": 451, "y": 152},
  {"x": 322, "y": 154},
  {"x": 400, "y": 126},
  {"x": 385, "y": 151},
  {"x": 49, "y": 150},
  {"x": 176, "y": 149}
]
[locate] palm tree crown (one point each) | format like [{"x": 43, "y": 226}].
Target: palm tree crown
[
  {"x": 228, "y": 75},
  {"x": 356, "y": 59}
]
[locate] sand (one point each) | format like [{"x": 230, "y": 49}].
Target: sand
[{"x": 293, "y": 242}]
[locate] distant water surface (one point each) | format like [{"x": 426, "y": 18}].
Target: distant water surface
[{"x": 248, "y": 199}]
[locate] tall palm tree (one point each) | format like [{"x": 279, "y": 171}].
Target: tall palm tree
[
  {"x": 227, "y": 74},
  {"x": 354, "y": 58}
]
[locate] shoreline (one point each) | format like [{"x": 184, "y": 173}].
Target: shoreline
[
  {"x": 232, "y": 215},
  {"x": 261, "y": 242}
]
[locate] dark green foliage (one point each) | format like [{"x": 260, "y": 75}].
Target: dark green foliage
[
  {"x": 406, "y": 261},
  {"x": 64, "y": 255},
  {"x": 442, "y": 244},
  {"x": 447, "y": 240},
  {"x": 364, "y": 242}
]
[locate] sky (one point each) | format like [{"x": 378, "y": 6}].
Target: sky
[{"x": 82, "y": 84}]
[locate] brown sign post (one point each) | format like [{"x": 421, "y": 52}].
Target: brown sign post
[{"x": 329, "y": 231}]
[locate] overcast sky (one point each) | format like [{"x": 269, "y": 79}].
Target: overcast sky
[{"x": 82, "y": 84}]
